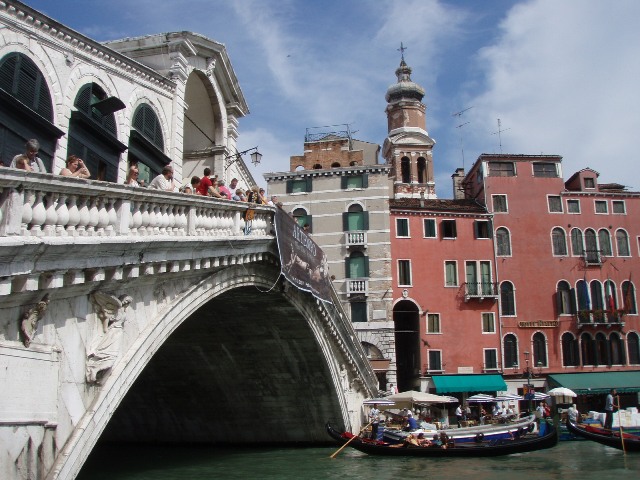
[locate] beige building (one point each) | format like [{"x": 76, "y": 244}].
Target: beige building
[{"x": 339, "y": 189}]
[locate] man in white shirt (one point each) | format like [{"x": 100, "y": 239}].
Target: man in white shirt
[
  {"x": 374, "y": 419},
  {"x": 164, "y": 181}
]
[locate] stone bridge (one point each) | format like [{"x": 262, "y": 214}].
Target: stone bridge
[{"x": 136, "y": 315}]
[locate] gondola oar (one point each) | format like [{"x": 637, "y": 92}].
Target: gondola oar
[
  {"x": 624, "y": 451},
  {"x": 350, "y": 440}
]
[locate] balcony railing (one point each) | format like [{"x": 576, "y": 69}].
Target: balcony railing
[
  {"x": 601, "y": 317},
  {"x": 357, "y": 286},
  {"x": 356, "y": 239},
  {"x": 480, "y": 290},
  {"x": 592, "y": 257}
]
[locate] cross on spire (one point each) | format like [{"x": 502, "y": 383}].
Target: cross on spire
[{"x": 401, "y": 50}]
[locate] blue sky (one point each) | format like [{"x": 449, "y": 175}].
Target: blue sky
[{"x": 563, "y": 76}]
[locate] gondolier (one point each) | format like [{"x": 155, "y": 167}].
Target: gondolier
[
  {"x": 609, "y": 407},
  {"x": 374, "y": 419}
]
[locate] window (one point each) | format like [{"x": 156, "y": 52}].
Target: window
[
  {"x": 502, "y": 169},
  {"x": 510, "y": 344},
  {"x": 358, "y": 311},
  {"x": 433, "y": 323},
  {"x": 355, "y": 219},
  {"x": 584, "y": 302},
  {"x": 500, "y": 204},
  {"x": 617, "y": 349},
  {"x": 404, "y": 273},
  {"x": 302, "y": 218},
  {"x": 591, "y": 246},
  {"x": 602, "y": 350},
  {"x": 570, "y": 350},
  {"x": 422, "y": 170},
  {"x": 633, "y": 344},
  {"x": 577, "y": 246},
  {"x": 503, "y": 242},
  {"x": 430, "y": 228},
  {"x": 507, "y": 299},
  {"x": 622, "y": 242},
  {"x": 564, "y": 298},
  {"x": 555, "y": 204},
  {"x": 299, "y": 185},
  {"x": 481, "y": 229},
  {"x": 602, "y": 206},
  {"x": 402, "y": 227},
  {"x": 479, "y": 278},
  {"x": 539, "y": 350},
  {"x": 618, "y": 207},
  {"x": 357, "y": 265},
  {"x": 405, "y": 170},
  {"x": 490, "y": 359},
  {"x": 604, "y": 239},
  {"x": 146, "y": 144},
  {"x": 573, "y": 206},
  {"x": 451, "y": 273},
  {"x": 435, "y": 360},
  {"x": 587, "y": 349},
  {"x": 354, "y": 181},
  {"x": 589, "y": 182},
  {"x": 544, "y": 169},
  {"x": 559, "y": 242},
  {"x": 448, "y": 228},
  {"x": 611, "y": 298},
  {"x": 488, "y": 322},
  {"x": 629, "y": 297}
]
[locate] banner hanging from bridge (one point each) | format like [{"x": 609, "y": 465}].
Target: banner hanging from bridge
[{"x": 303, "y": 262}]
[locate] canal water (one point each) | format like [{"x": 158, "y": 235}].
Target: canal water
[{"x": 583, "y": 460}]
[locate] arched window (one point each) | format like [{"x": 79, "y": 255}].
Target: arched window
[
  {"x": 26, "y": 109},
  {"x": 602, "y": 350},
  {"x": 539, "y": 350},
  {"x": 503, "y": 242},
  {"x": 610, "y": 297},
  {"x": 335, "y": 165},
  {"x": 564, "y": 299},
  {"x": 301, "y": 216},
  {"x": 633, "y": 343},
  {"x": 622, "y": 242},
  {"x": 591, "y": 246},
  {"x": 405, "y": 170},
  {"x": 372, "y": 352},
  {"x": 588, "y": 349},
  {"x": 510, "y": 351},
  {"x": 357, "y": 265},
  {"x": 629, "y": 297},
  {"x": 604, "y": 238},
  {"x": 597, "y": 300},
  {"x": 577, "y": 247},
  {"x": 559, "y": 241},
  {"x": 93, "y": 134},
  {"x": 422, "y": 170},
  {"x": 617, "y": 349},
  {"x": 355, "y": 218},
  {"x": 507, "y": 299},
  {"x": 570, "y": 350},
  {"x": 317, "y": 166},
  {"x": 584, "y": 302},
  {"x": 146, "y": 143}
]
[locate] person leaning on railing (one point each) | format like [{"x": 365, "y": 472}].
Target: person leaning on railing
[
  {"x": 75, "y": 168},
  {"x": 33, "y": 161}
]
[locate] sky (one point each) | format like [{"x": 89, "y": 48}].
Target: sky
[{"x": 555, "y": 77}]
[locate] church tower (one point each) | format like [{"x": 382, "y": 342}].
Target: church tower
[{"x": 408, "y": 146}]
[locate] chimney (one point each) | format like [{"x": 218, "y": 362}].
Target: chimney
[
  {"x": 421, "y": 198},
  {"x": 458, "y": 190}
]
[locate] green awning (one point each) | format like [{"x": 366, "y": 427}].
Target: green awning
[
  {"x": 469, "y": 383},
  {"x": 601, "y": 382}
]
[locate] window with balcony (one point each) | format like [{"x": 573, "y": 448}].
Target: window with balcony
[
  {"x": 622, "y": 242},
  {"x": 601, "y": 207},
  {"x": 355, "y": 219},
  {"x": 573, "y": 206},
  {"x": 500, "y": 204},
  {"x": 451, "y": 273},
  {"x": 488, "y": 322},
  {"x": 577, "y": 245},
  {"x": 404, "y": 273},
  {"x": 544, "y": 169},
  {"x": 559, "y": 242},
  {"x": 507, "y": 299},
  {"x": 430, "y": 228},
  {"x": 592, "y": 252},
  {"x": 618, "y": 207},
  {"x": 478, "y": 279},
  {"x": 502, "y": 169},
  {"x": 570, "y": 350},
  {"x": 503, "y": 242},
  {"x": 555, "y": 203},
  {"x": 357, "y": 265},
  {"x": 402, "y": 227},
  {"x": 435, "y": 361},
  {"x": 349, "y": 182},
  {"x": 482, "y": 229},
  {"x": 539, "y": 349},
  {"x": 448, "y": 228},
  {"x": 433, "y": 323},
  {"x": 604, "y": 239},
  {"x": 300, "y": 185},
  {"x": 490, "y": 359},
  {"x": 629, "y": 297},
  {"x": 510, "y": 345}
]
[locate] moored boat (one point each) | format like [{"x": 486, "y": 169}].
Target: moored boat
[
  {"x": 610, "y": 438},
  {"x": 547, "y": 438}
]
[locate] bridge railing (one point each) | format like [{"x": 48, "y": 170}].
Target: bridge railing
[{"x": 44, "y": 205}]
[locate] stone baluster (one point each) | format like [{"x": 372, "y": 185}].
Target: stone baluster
[
  {"x": 62, "y": 212},
  {"x": 85, "y": 216},
  {"x": 164, "y": 219},
  {"x": 181, "y": 220},
  {"x": 39, "y": 215},
  {"x": 27, "y": 212},
  {"x": 173, "y": 230},
  {"x": 155, "y": 219},
  {"x": 146, "y": 218},
  {"x": 74, "y": 215},
  {"x": 51, "y": 215},
  {"x": 113, "y": 217},
  {"x": 94, "y": 216},
  {"x": 103, "y": 217},
  {"x": 136, "y": 218}
]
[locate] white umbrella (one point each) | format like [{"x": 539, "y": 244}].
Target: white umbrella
[
  {"x": 507, "y": 397},
  {"x": 481, "y": 398},
  {"x": 540, "y": 396},
  {"x": 411, "y": 397},
  {"x": 378, "y": 401},
  {"x": 562, "y": 392}
]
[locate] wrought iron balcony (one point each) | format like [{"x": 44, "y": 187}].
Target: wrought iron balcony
[
  {"x": 480, "y": 290},
  {"x": 593, "y": 257},
  {"x": 356, "y": 238},
  {"x": 358, "y": 286},
  {"x": 601, "y": 317}
]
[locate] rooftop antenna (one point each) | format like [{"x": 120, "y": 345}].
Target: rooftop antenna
[
  {"x": 459, "y": 114},
  {"x": 499, "y": 132}
]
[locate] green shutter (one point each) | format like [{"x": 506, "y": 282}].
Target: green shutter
[
  {"x": 343, "y": 182},
  {"x": 309, "y": 184},
  {"x": 365, "y": 218},
  {"x": 345, "y": 221},
  {"x": 365, "y": 180},
  {"x": 289, "y": 186},
  {"x": 366, "y": 266}
]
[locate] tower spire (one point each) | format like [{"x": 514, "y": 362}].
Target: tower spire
[{"x": 401, "y": 50}]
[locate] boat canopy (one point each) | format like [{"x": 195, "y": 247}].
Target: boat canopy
[
  {"x": 600, "y": 382},
  {"x": 469, "y": 383}
]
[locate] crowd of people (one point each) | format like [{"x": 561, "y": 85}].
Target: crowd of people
[{"x": 207, "y": 185}]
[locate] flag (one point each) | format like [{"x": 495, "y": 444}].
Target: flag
[
  {"x": 583, "y": 293},
  {"x": 611, "y": 304}
]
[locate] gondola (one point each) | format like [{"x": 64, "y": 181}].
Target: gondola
[
  {"x": 493, "y": 448},
  {"x": 610, "y": 438}
]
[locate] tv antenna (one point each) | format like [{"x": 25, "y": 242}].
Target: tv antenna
[
  {"x": 499, "y": 132},
  {"x": 459, "y": 115}
]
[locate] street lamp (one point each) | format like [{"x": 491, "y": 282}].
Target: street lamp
[
  {"x": 529, "y": 392},
  {"x": 256, "y": 156}
]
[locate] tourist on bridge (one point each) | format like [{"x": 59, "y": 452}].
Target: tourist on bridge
[
  {"x": 164, "y": 181},
  {"x": 32, "y": 147},
  {"x": 132, "y": 176},
  {"x": 75, "y": 168}
]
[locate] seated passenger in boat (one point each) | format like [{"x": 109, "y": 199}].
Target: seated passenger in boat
[{"x": 422, "y": 441}]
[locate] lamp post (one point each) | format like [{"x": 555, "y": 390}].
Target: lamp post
[
  {"x": 529, "y": 393},
  {"x": 256, "y": 156}
]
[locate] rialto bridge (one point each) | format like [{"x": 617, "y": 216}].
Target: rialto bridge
[{"x": 133, "y": 315}]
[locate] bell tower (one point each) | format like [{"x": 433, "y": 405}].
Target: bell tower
[{"x": 408, "y": 147}]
